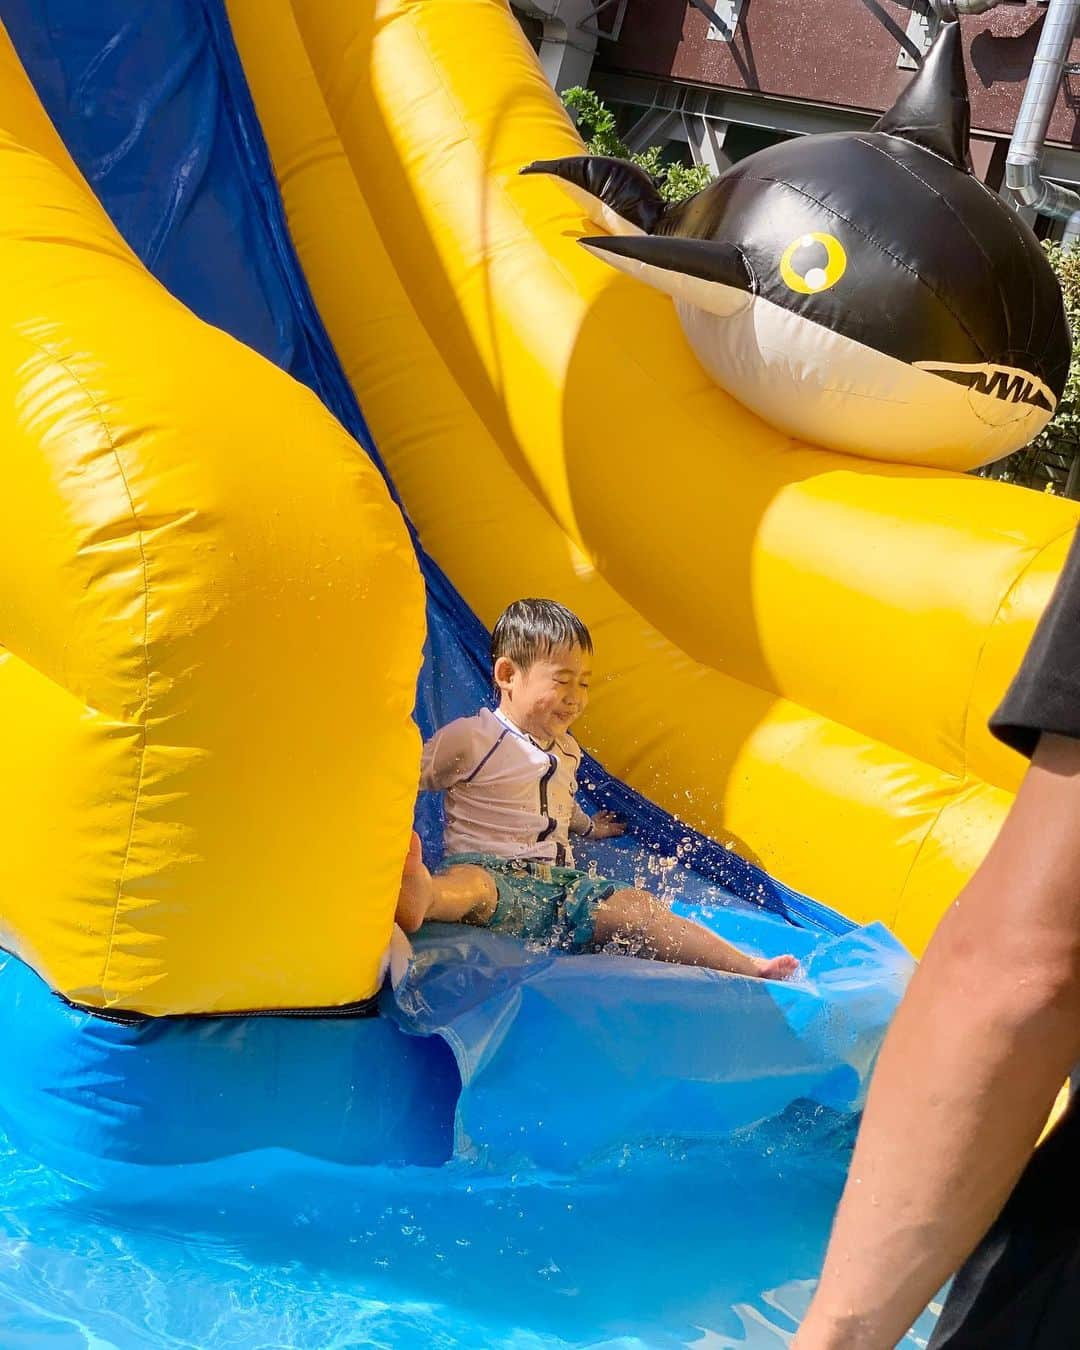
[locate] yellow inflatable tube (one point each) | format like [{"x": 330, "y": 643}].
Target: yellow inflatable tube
[
  {"x": 802, "y": 648},
  {"x": 211, "y": 620}
]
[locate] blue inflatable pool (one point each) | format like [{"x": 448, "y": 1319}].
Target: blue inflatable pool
[{"x": 563, "y": 1151}]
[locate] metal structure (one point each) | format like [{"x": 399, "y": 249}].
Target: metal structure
[
  {"x": 1052, "y": 466},
  {"x": 948, "y": 11},
  {"x": 921, "y": 29},
  {"x": 604, "y": 19},
  {"x": 723, "y": 17},
  {"x": 926, "y": 17},
  {"x": 570, "y": 30},
  {"x": 1023, "y": 174}
]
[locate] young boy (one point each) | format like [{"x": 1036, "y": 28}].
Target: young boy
[{"x": 510, "y": 778}]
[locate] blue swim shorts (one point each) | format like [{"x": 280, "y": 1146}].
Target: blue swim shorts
[{"x": 540, "y": 902}]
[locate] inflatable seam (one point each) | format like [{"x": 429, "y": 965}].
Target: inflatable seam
[
  {"x": 967, "y": 779},
  {"x": 143, "y": 720},
  {"x": 959, "y": 222},
  {"x": 1011, "y": 220},
  {"x": 928, "y": 834},
  {"x": 490, "y": 181},
  {"x": 881, "y": 247}
]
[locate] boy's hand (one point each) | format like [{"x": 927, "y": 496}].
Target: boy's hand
[{"x": 606, "y": 825}]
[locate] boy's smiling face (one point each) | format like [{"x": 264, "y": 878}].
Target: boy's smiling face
[{"x": 546, "y": 698}]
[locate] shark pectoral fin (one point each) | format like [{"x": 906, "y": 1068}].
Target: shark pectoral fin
[
  {"x": 711, "y": 275},
  {"x": 615, "y": 195}
]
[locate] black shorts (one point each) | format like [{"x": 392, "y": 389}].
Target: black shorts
[{"x": 1020, "y": 1290}]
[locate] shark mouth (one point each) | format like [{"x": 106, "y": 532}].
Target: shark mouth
[
  {"x": 1006, "y": 383},
  {"x": 823, "y": 387}
]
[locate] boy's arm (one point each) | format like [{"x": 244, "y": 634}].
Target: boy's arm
[
  {"x": 580, "y": 823},
  {"x": 604, "y": 825},
  {"x": 444, "y": 761},
  {"x": 983, "y": 1039}
]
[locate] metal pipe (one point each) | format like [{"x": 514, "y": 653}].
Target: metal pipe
[
  {"x": 948, "y": 11},
  {"x": 1022, "y": 174}
]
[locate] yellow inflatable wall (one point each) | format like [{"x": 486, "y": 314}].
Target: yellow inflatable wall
[
  {"x": 211, "y": 620},
  {"x": 211, "y": 617},
  {"x": 801, "y": 649}
]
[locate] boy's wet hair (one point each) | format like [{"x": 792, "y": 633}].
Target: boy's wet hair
[{"x": 529, "y": 630}]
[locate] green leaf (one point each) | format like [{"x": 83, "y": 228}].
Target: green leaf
[
  {"x": 1061, "y": 434},
  {"x": 597, "y": 124}
]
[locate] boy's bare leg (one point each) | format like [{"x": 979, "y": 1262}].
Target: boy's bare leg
[
  {"x": 462, "y": 894},
  {"x": 636, "y": 917}
]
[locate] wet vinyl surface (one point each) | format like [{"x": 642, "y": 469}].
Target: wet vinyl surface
[{"x": 660, "y": 1246}]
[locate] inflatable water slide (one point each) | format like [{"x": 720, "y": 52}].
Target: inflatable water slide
[{"x": 305, "y": 381}]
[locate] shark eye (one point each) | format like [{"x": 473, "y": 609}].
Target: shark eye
[{"x": 813, "y": 263}]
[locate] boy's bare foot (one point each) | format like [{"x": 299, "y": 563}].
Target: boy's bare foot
[
  {"x": 414, "y": 899},
  {"x": 779, "y": 968}
]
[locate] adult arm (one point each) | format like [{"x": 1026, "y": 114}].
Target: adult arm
[{"x": 987, "y": 1032}]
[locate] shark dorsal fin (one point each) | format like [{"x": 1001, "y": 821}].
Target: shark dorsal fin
[{"x": 933, "y": 111}]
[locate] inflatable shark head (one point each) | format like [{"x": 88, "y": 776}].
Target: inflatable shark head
[{"x": 863, "y": 290}]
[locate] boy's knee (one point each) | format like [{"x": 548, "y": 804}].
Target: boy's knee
[
  {"x": 476, "y": 878},
  {"x": 465, "y": 893},
  {"x": 481, "y": 886},
  {"x": 633, "y": 907}
]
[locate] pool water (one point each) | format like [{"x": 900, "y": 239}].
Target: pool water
[{"x": 710, "y": 1247}]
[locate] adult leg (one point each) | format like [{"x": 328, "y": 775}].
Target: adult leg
[
  {"x": 648, "y": 926},
  {"x": 461, "y": 894}
]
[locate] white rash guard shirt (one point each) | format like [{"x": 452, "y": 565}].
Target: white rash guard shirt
[{"x": 505, "y": 794}]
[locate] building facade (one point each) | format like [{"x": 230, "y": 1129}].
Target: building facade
[{"x": 715, "y": 80}]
